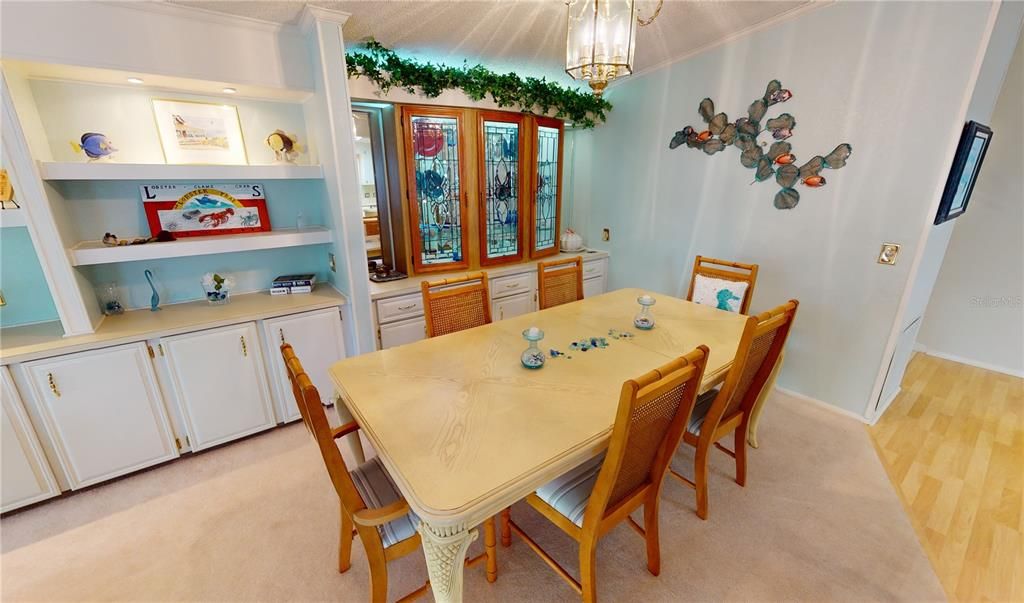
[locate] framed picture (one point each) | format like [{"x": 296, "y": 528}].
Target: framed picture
[
  {"x": 196, "y": 210},
  {"x": 970, "y": 153},
  {"x": 197, "y": 133}
]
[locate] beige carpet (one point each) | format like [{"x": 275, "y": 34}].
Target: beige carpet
[{"x": 258, "y": 520}]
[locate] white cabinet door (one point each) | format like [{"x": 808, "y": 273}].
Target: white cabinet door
[
  {"x": 26, "y": 475},
  {"x": 512, "y": 306},
  {"x": 593, "y": 286},
  {"x": 400, "y": 333},
  {"x": 318, "y": 342},
  {"x": 103, "y": 412},
  {"x": 218, "y": 378}
]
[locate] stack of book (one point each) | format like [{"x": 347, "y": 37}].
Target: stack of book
[{"x": 293, "y": 283}]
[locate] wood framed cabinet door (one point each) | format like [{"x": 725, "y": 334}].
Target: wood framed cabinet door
[
  {"x": 219, "y": 381},
  {"x": 318, "y": 341},
  {"x": 103, "y": 412},
  {"x": 545, "y": 198},
  {"x": 514, "y": 305},
  {"x": 435, "y": 162},
  {"x": 402, "y": 332},
  {"x": 26, "y": 476},
  {"x": 501, "y": 173}
]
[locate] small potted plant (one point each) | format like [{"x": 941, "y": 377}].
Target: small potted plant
[{"x": 217, "y": 287}]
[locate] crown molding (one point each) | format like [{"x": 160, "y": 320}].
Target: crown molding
[
  {"x": 200, "y": 14},
  {"x": 314, "y": 14}
]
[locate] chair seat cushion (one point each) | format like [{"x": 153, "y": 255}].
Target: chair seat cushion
[
  {"x": 720, "y": 293},
  {"x": 378, "y": 490},
  {"x": 700, "y": 410},
  {"x": 569, "y": 493}
]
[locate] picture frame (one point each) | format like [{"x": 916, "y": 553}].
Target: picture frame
[
  {"x": 195, "y": 133},
  {"x": 970, "y": 154},
  {"x": 197, "y": 210}
]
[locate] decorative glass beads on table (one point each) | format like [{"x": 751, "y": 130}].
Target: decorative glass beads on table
[
  {"x": 533, "y": 357},
  {"x": 616, "y": 334},
  {"x": 644, "y": 319}
]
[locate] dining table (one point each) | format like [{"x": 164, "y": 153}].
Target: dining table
[{"x": 465, "y": 430}]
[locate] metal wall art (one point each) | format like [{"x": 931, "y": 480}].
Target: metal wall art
[{"x": 752, "y": 134}]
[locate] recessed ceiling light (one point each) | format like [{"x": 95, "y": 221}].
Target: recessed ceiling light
[
  {"x": 229, "y": 90},
  {"x": 135, "y": 80}
]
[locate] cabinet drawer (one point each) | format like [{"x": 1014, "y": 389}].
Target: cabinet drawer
[
  {"x": 513, "y": 284},
  {"x": 397, "y": 308},
  {"x": 593, "y": 269},
  {"x": 592, "y": 287}
]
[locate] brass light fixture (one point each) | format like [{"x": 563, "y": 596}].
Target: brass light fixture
[{"x": 601, "y": 39}]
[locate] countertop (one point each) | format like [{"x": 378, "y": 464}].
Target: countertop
[
  {"x": 412, "y": 284},
  {"x": 30, "y": 342}
]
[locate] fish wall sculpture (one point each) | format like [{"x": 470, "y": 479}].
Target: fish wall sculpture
[{"x": 751, "y": 134}]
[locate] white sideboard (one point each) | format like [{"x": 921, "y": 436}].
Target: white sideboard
[
  {"x": 146, "y": 387},
  {"x": 398, "y": 305}
]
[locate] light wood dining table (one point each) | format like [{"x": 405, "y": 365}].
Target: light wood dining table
[{"x": 465, "y": 430}]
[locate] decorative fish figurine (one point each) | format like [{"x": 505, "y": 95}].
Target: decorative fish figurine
[
  {"x": 703, "y": 136},
  {"x": 814, "y": 181},
  {"x": 782, "y": 133},
  {"x": 779, "y": 96},
  {"x": 286, "y": 146},
  {"x": 680, "y": 137},
  {"x": 786, "y": 159},
  {"x": 95, "y": 146}
]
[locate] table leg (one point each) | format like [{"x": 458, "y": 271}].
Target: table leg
[{"x": 445, "y": 549}]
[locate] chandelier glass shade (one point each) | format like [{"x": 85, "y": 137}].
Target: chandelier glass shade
[{"x": 600, "y": 40}]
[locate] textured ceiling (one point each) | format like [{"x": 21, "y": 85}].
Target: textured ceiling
[{"x": 526, "y": 36}]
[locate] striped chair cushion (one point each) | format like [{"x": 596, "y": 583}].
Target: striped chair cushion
[
  {"x": 375, "y": 486},
  {"x": 569, "y": 493},
  {"x": 700, "y": 410}
]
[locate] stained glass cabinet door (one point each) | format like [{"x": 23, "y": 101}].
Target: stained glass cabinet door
[
  {"x": 501, "y": 178},
  {"x": 435, "y": 170},
  {"x": 546, "y": 196}
]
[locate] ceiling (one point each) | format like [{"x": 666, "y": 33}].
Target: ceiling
[{"x": 525, "y": 36}]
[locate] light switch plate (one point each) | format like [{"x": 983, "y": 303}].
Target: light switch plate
[
  {"x": 888, "y": 254},
  {"x": 606, "y": 234}
]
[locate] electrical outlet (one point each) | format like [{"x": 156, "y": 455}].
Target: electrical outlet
[
  {"x": 606, "y": 234},
  {"x": 888, "y": 254},
  {"x": 330, "y": 262}
]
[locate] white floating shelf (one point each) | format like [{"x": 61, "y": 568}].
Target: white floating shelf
[
  {"x": 103, "y": 170},
  {"x": 88, "y": 253},
  {"x": 10, "y": 218}
]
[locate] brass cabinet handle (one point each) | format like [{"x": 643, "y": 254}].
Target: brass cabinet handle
[
  {"x": 409, "y": 307},
  {"x": 511, "y": 285},
  {"x": 245, "y": 350},
  {"x": 53, "y": 385},
  {"x": 281, "y": 331}
]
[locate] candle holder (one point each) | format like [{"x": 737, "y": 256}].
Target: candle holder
[
  {"x": 644, "y": 319},
  {"x": 533, "y": 357}
]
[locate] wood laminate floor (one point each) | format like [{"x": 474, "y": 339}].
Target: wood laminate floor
[{"x": 953, "y": 445}]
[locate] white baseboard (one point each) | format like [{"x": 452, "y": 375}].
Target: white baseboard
[
  {"x": 969, "y": 362},
  {"x": 825, "y": 405}
]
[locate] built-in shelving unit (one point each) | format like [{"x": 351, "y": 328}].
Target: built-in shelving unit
[
  {"x": 89, "y": 253},
  {"x": 101, "y": 170},
  {"x": 10, "y": 218}
]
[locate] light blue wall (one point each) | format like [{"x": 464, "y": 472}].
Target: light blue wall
[
  {"x": 21, "y": 279},
  {"x": 889, "y": 78}
]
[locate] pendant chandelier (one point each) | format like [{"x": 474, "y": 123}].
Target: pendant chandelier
[{"x": 601, "y": 39}]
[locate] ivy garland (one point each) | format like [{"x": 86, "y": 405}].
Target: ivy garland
[{"x": 384, "y": 67}]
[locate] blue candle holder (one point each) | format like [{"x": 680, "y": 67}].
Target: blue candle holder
[
  {"x": 644, "y": 319},
  {"x": 533, "y": 357}
]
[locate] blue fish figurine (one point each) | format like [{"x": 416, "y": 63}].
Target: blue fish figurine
[{"x": 94, "y": 145}]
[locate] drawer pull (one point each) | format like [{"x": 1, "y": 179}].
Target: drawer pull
[
  {"x": 589, "y": 270},
  {"x": 245, "y": 350},
  {"x": 511, "y": 285},
  {"x": 409, "y": 307},
  {"x": 281, "y": 331},
  {"x": 53, "y": 385}
]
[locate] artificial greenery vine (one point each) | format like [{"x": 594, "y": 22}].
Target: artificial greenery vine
[{"x": 532, "y": 95}]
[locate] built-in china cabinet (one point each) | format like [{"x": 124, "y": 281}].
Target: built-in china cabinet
[{"x": 483, "y": 188}]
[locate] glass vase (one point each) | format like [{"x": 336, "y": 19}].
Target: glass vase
[
  {"x": 533, "y": 357},
  {"x": 644, "y": 319}
]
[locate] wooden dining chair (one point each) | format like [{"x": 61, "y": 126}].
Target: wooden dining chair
[
  {"x": 706, "y": 285},
  {"x": 370, "y": 501},
  {"x": 456, "y": 304},
  {"x": 593, "y": 498},
  {"x": 761, "y": 400},
  {"x": 721, "y": 412},
  {"x": 560, "y": 282}
]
